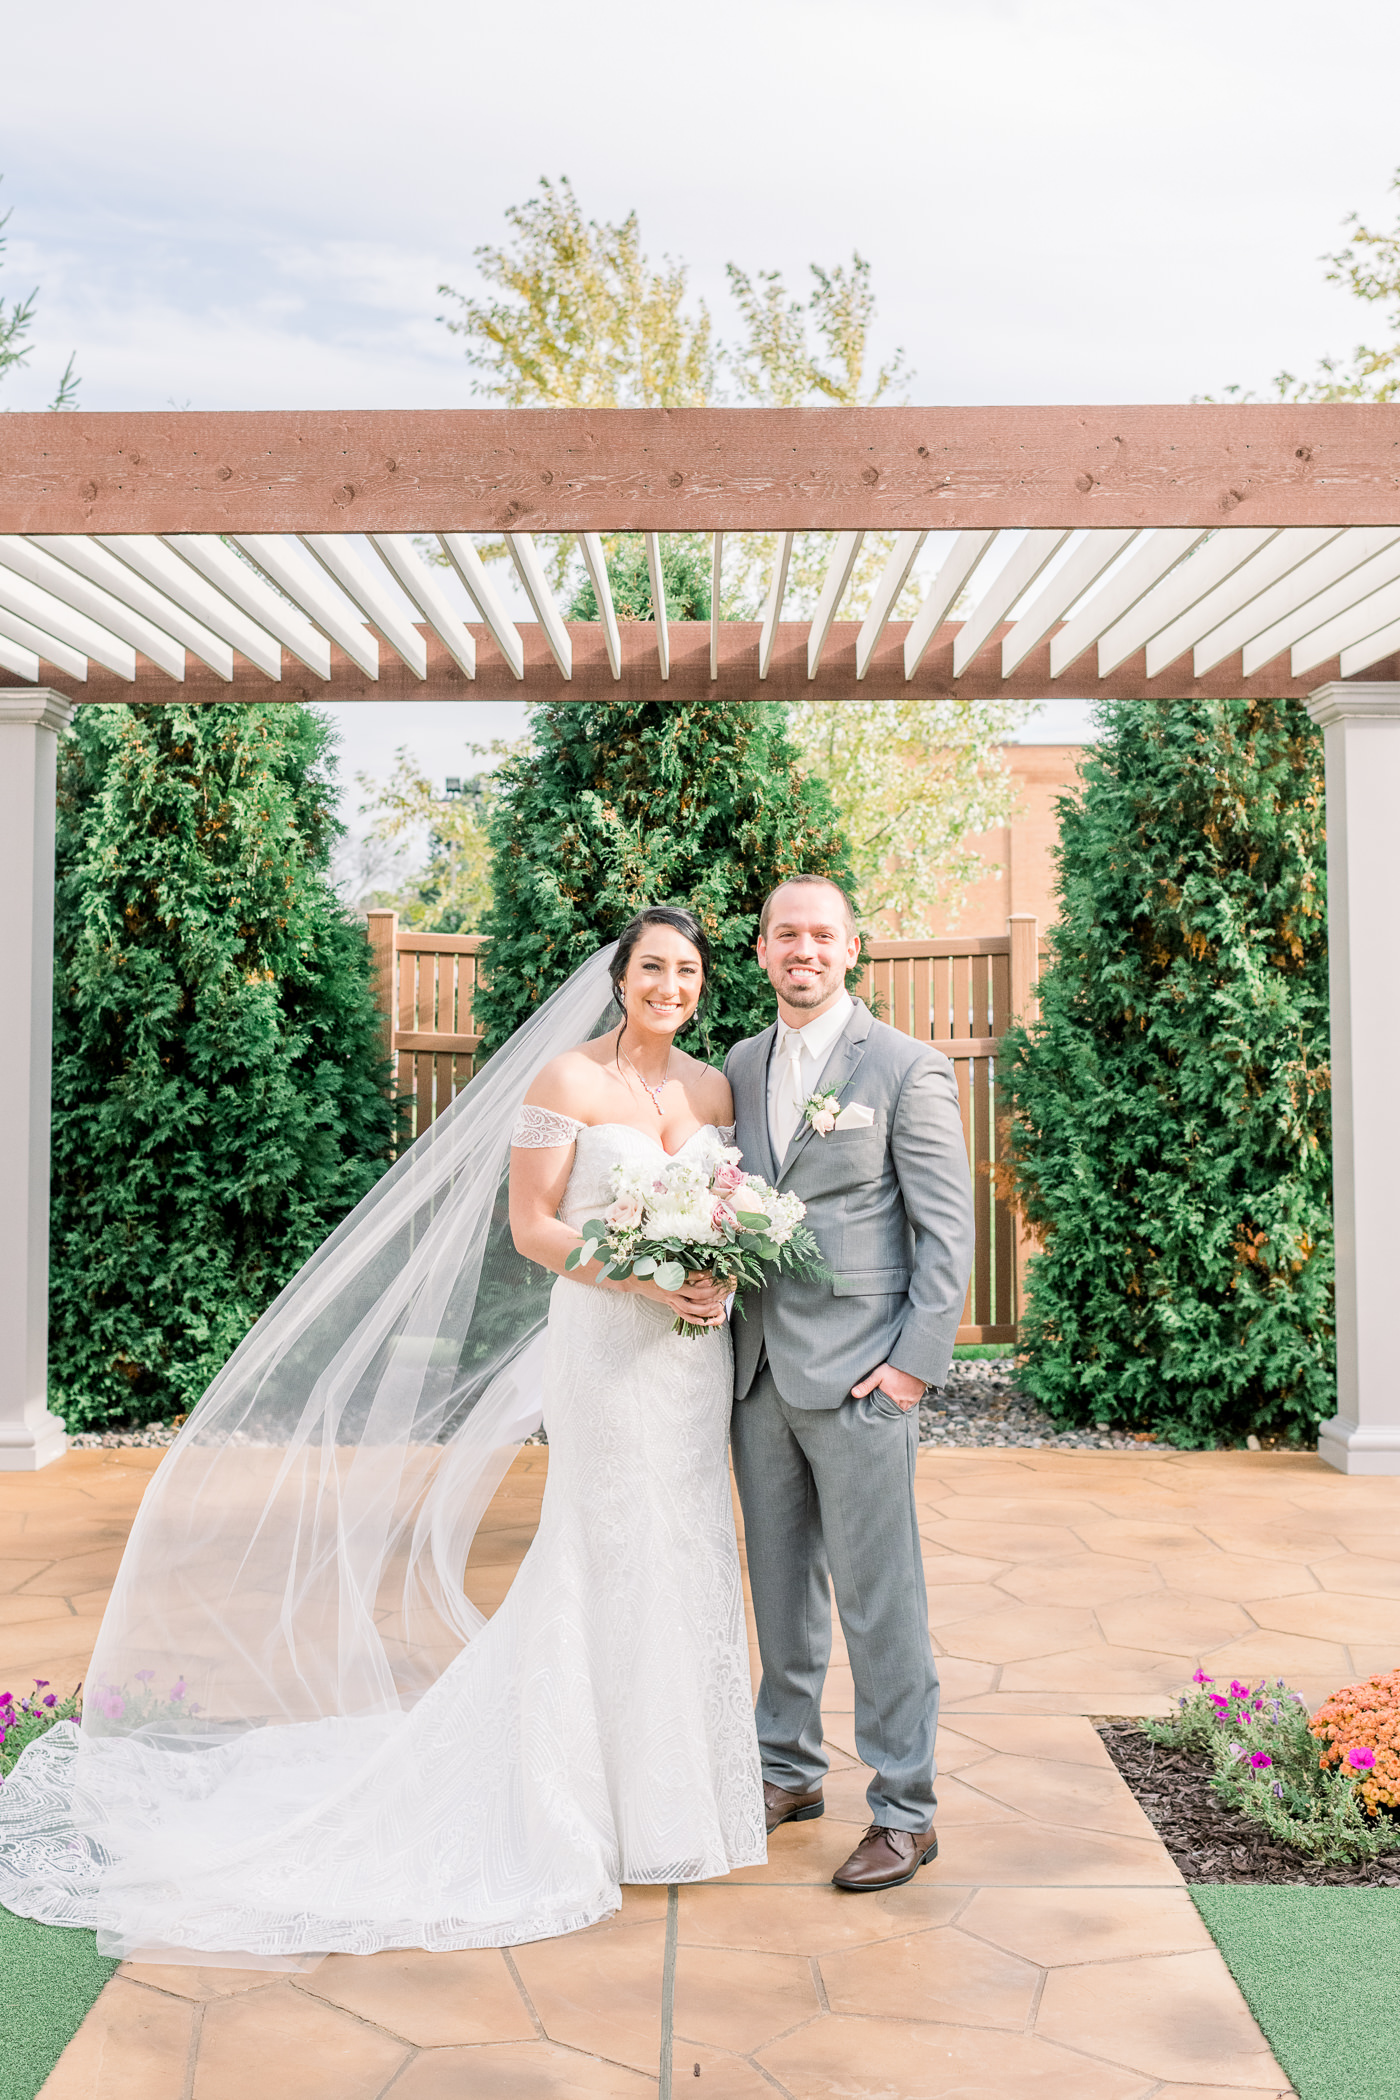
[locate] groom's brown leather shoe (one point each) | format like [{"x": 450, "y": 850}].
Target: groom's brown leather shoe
[
  {"x": 779, "y": 1806},
  {"x": 884, "y": 1858}
]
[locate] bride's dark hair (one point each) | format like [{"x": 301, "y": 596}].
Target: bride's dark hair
[{"x": 674, "y": 915}]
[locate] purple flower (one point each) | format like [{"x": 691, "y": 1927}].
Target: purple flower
[
  {"x": 2, "y": 1735},
  {"x": 7, "y": 1698},
  {"x": 144, "y": 1676},
  {"x": 1260, "y": 1759},
  {"x": 1200, "y": 1677},
  {"x": 51, "y": 1699},
  {"x": 113, "y": 1704},
  {"x": 178, "y": 1689},
  {"x": 1237, "y": 1749},
  {"x": 1277, "y": 1790},
  {"x": 41, "y": 1684},
  {"x": 1360, "y": 1758},
  {"x": 1238, "y": 1690}
]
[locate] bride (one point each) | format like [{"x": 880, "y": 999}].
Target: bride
[{"x": 299, "y": 1735}]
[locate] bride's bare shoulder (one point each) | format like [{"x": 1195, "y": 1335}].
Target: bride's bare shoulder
[
  {"x": 708, "y": 1091},
  {"x": 569, "y": 1083}
]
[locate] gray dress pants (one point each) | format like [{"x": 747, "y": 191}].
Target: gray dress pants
[{"x": 828, "y": 1501}]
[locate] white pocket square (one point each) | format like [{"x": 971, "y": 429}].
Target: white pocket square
[{"x": 855, "y": 1116}]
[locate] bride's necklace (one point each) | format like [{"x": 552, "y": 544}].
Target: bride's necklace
[{"x": 654, "y": 1091}]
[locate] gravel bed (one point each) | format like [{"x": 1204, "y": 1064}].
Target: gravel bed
[
  {"x": 980, "y": 1409},
  {"x": 1212, "y": 1843},
  {"x": 154, "y": 1437}
]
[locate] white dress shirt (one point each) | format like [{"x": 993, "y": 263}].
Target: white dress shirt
[{"x": 795, "y": 1066}]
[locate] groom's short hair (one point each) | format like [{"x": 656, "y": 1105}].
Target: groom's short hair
[{"x": 790, "y": 882}]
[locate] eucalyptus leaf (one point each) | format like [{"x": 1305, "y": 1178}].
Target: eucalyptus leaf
[{"x": 670, "y": 1275}]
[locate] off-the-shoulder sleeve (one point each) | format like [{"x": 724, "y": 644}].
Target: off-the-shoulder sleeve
[
  {"x": 537, "y": 1128},
  {"x": 726, "y": 1131}
]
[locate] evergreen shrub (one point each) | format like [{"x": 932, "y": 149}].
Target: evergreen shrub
[
  {"x": 1171, "y": 1108},
  {"x": 219, "y": 1089},
  {"x": 614, "y": 807}
]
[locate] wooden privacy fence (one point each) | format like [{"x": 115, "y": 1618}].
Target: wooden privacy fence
[{"x": 960, "y": 994}]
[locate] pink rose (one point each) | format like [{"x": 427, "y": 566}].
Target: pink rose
[
  {"x": 723, "y": 1218},
  {"x": 626, "y": 1212},
  {"x": 823, "y": 1122},
  {"x": 726, "y": 1179}
]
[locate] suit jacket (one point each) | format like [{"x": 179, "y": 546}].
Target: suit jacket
[{"x": 891, "y": 1209}]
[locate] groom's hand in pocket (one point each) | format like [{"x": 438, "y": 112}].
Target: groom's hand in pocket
[{"x": 905, "y": 1391}]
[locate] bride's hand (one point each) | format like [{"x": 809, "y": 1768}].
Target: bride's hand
[{"x": 700, "y": 1300}]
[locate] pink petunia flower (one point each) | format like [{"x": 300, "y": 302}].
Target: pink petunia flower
[
  {"x": 144, "y": 1676},
  {"x": 178, "y": 1689},
  {"x": 1260, "y": 1759},
  {"x": 1360, "y": 1758}
]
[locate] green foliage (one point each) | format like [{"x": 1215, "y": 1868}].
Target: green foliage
[
  {"x": 685, "y": 579},
  {"x": 450, "y": 891},
  {"x": 24, "y": 1720},
  {"x": 218, "y": 1083},
  {"x": 1263, "y": 1758},
  {"x": 615, "y": 807},
  {"x": 1171, "y": 1106},
  {"x": 16, "y": 320}
]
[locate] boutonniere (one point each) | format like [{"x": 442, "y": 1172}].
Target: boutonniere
[{"x": 821, "y": 1111}]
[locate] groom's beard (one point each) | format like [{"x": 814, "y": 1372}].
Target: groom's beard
[{"x": 801, "y": 996}]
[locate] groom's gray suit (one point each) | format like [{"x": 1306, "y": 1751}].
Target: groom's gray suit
[{"x": 826, "y": 1481}]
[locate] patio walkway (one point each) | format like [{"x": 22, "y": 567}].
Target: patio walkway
[{"x": 1052, "y": 1952}]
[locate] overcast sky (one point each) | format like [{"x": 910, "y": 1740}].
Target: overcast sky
[{"x": 1062, "y": 200}]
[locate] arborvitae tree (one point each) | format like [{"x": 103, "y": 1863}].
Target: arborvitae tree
[
  {"x": 219, "y": 1089},
  {"x": 1171, "y": 1106},
  {"x": 619, "y": 806}
]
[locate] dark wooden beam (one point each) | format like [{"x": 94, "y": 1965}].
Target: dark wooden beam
[
  {"x": 677, "y": 470},
  {"x": 690, "y": 673}
]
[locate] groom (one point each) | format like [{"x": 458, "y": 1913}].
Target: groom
[{"x": 828, "y": 1376}]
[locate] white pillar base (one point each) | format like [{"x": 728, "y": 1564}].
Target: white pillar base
[
  {"x": 1361, "y": 721},
  {"x": 1352, "y": 1448},
  {"x": 30, "y": 722}
]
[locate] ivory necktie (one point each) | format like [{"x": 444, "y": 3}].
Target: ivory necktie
[{"x": 787, "y": 1112}]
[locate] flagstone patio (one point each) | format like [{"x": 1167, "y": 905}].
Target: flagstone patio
[{"x": 1051, "y": 1952}]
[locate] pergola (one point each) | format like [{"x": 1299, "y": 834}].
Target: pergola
[{"x": 1126, "y": 552}]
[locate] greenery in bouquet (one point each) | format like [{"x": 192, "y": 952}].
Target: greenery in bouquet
[
  {"x": 1262, "y": 1747},
  {"x": 698, "y": 1215},
  {"x": 24, "y": 1720}
]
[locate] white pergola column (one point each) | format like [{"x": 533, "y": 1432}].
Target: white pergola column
[
  {"x": 1362, "y": 727},
  {"x": 30, "y": 721}
]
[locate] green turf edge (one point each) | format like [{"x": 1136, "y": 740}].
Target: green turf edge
[
  {"x": 1320, "y": 1971},
  {"x": 49, "y": 1977}
]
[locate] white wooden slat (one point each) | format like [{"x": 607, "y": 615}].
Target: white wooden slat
[
  {"x": 535, "y": 584},
  {"x": 1011, "y": 582},
  {"x": 844, "y": 556},
  {"x": 22, "y": 663},
  {"x": 896, "y": 573},
  {"x": 716, "y": 577},
  {"x": 943, "y": 593},
  {"x": 306, "y": 588},
  {"x": 472, "y": 570},
  {"x": 371, "y": 588},
  {"x": 1321, "y": 607},
  {"x": 235, "y": 580},
  {"x": 51, "y": 616},
  {"x": 777, "y": 585},
  {"x": 1284, "y": 553},
  {"x": 1340, "y": 553},
  {"x": 1361, "y": 655},
  {"x": 1213, "y": 561},
  {"x": 53, "y": 651},
  {"x": 75, "y": 591},
  {"x": 596, "y": 563},
  {"x": 658, "y": 601},
  {"x": 1148, "y": 564},
  {"x": 417, "y": 580},
  {"x": 1346, "y": 629},
  {"x": 101, "y": 566},
  {"x": 1099, "y": 551},
  {"x": 161, "y": 566}
]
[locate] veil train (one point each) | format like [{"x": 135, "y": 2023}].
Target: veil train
[{"x": 293, "y": 1583}]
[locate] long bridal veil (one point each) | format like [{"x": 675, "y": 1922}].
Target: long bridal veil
[{"x": 294, "y": 1579}]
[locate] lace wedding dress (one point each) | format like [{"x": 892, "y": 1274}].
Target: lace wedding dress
[{"x": 598, "y": 1729}]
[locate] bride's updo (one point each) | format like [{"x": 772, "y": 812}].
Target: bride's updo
[{"x": 675, "y": 915}]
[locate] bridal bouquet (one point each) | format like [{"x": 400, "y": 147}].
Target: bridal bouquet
[{"x": 698, "y": 1213}]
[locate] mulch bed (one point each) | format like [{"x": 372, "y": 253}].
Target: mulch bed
[{"x": 1212, "y": 1843}]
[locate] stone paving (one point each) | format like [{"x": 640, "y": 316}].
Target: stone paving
[{"x": 1052, "y": 1951}]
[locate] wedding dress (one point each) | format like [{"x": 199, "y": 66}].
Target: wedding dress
[{"x": 374, "y": 1765}]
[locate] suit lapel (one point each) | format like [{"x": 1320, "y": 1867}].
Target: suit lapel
[{"x": 836, "y": 1075}]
